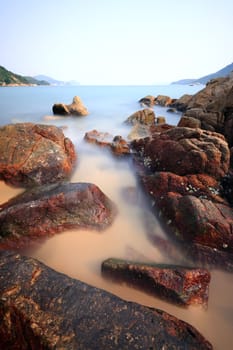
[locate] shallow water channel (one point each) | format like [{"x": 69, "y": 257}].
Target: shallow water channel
[{"x": 79, "y": 253}]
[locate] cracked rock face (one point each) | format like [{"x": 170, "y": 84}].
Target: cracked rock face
[{"x": 32, "y": 154}]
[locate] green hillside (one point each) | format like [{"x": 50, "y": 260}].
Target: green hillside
[{"x": 8, "y": 78}]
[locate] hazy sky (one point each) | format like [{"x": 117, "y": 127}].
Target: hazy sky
[{"x": 116, "y": 41}]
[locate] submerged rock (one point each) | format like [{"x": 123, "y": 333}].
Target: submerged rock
[
  {"x": 75, "y": 108},
  {"x": 44, "y": 309},
  {"x": 50, "y": 209},
  {"x": 32, "y": 154},
  {"x": 176, "y": 284}
]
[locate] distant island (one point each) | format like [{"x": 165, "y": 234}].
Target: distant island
[
  {"x": 8, "y": 78},
  {"x": 203, "y": 80}
]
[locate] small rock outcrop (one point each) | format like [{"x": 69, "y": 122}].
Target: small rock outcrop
[
  {"x": 44, "y": 309},
  {"x": 76, "y": 108},
  {"x": 145, "y": 116},
  {"x": 163, "y": 100},
  {"x": 116, "y": 144},
  {"x": 32, "y": 154},
  {"x": 147, "y": 100},
  {"x": 176, "y": 284},
  {"x": 50, "y": 209}
]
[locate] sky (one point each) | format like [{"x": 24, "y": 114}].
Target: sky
[{"x": 130, "y": 42}]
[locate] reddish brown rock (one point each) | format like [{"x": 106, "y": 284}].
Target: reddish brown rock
[
  {"x": 33, "y": 154},
  {"x": 179, "y": 285},
  {"x": 181, "y": 103},
  {"x": 117, "y": 144},
  {"x": 189, "y": 122},
  {"x": 145, "y": 116},
  {"x": 200, "y": 220},
  {"x": 50, "y": 209},
  {"x": 75, "y": 108},
  {"x": 147, "y": 100},
  {"x": 198, "y": 185},
  {"x": 184, "y": 151},
  {"x": 163, "y": 100},
  {"x": 100, "y": 138},
  {"x": 44, "y": 309}
]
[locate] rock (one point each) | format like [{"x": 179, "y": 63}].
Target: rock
[
  {"x": 50, "y": 209},
  {"x": 161, "y": 120},
  {"x": 198, "y": 185},
  {"x": 75, "y": 108},
  {"x": 145, "y": 116},
  {"x": 116, "y": 144},
  {"x": 189, "y": 122},
  {"x": 32, "y": 154},
  {"x": 200, "y": 220},
  {"x": 193, "y": 208},
  {"x": 147, "y": 100},
  {"x": 184, "y": 151},
  {"x": 213, "y": 96},
  {"x": 213, "y": 106},
  {"x": 100, "y": 138},
  {"x": 119, "y": 146},
  {"x": 212, "y": 121},
  {"x": 163, "y": 100},
  {"x": 181, "y": 103},
  {"x": 194, "y": 254},
  {"x": 44, "y": 309},
  {"x": 139, "y": 131},
  {"x": 171, "y": 110},
  {"x": 176, "y": 284}
]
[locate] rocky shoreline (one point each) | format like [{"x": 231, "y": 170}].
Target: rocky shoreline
[{"x": 185, "y": 173}]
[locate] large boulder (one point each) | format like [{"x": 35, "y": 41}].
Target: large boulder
[
  {"x": 76, "y": 108},
  {"x": 44, "y": 309},
  {"x": 184, "y": 151},
  {"x": 32, "y": 154},
  {"x": 50, "y": 209}
]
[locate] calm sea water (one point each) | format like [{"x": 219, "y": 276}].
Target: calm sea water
[{"x": 79, "y": 253}]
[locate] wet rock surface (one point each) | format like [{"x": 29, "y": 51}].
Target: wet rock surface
[
  {"x": 176, "y": 284},
  {"x": 32, "y": 154},
  {"x": 50, "y": 209},
  {"x": 76, "y": 108},
  {"x": 184, "y": 151},
  {"x": 44, "y": 309},
  {"x": 117, "y": 145}
]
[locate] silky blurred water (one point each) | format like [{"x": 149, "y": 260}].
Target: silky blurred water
[{"x": 79, "y": 253}]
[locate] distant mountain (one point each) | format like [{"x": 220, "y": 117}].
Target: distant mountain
[
  {"x": 49, "y": 79},
  {"x": 53, "y": 81},
  {"x": 203, "y": 80},
  {"x": 9, "y": 78}
]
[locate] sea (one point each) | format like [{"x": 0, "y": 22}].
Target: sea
[{"x": 79, "y": 253}]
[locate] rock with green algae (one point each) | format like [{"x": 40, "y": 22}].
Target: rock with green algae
[{"x": 43, "y": 309}]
